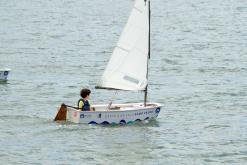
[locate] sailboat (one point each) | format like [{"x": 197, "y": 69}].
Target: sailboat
[
  {"x": 127, "y": 70},
  {"x": 4, "y": 74}
]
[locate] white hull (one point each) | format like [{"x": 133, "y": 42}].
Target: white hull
[
  {"x": 121, "y": 114},
  {"x": 4, "y": 74}
]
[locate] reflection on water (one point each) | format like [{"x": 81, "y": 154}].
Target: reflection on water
[{"x": 3, "y": 81}]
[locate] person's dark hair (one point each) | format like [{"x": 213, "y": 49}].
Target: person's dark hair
[{"x": 85, "y": 92}]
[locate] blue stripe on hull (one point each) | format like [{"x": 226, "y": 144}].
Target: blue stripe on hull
[{"x": 122, "y": 122}]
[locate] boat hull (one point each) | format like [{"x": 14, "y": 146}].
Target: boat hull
[
  {"x": 4, "y": 74},
  {"x": 119, "y": 114}
]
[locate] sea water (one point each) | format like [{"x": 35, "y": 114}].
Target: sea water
[{"x": 198, "y": 70}]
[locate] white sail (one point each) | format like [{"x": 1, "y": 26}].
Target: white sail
[{"x": 127, "y": 68}]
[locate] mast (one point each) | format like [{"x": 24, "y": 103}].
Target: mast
[{"x": 149, "y": 46}]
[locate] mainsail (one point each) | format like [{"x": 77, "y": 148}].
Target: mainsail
[{"x": 127, "y": 68}]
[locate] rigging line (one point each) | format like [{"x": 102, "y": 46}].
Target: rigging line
[{"x": 112, "y": 99}]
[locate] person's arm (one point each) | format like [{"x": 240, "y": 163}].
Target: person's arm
[
  {"x": 81, "y": 104},
  {"x": 91, "y": 108}
]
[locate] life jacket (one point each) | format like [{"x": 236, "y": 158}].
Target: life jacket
[{"x": 85, "y": 106}]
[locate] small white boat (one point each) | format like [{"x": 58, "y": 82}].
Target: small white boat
[
  {"x": 127, "y": 70},
  {"x": 117, "y": 114},
  {"x": 4, "y": 74}
]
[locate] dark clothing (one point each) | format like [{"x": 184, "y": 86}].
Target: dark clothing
[{"x": 84, "y": 105}]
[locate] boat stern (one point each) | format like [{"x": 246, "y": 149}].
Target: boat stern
[
  {"x": 73, "y": 115},
  {"x": 4, "y": 74}
]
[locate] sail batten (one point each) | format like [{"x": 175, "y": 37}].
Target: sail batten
[
  {"x": 123, "y": 48},
  {"x": 127, "y": 67}
]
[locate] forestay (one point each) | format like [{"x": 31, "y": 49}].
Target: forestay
[{"x": 127, "y": 68}]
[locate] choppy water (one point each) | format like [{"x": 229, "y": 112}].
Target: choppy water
[{"x": 198, "y": 71}]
